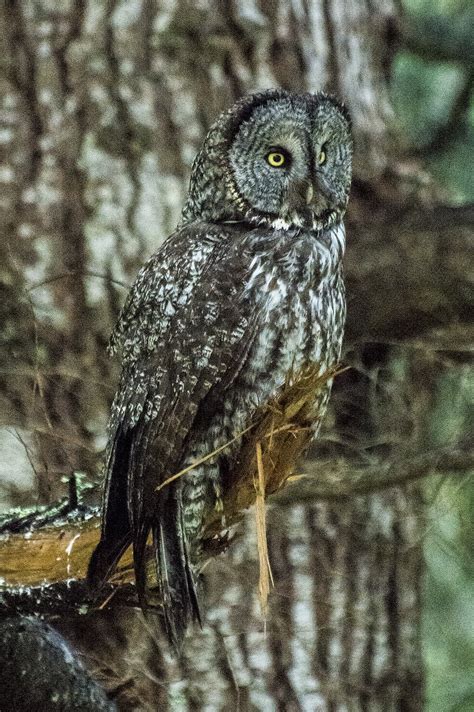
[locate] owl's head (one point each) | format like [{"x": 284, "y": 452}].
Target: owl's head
[{"x": 276, "y": 159}]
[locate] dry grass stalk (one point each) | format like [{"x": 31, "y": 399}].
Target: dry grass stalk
[
  {"x": 201, "y": 460},
  {"x": 265, "y": 572}
]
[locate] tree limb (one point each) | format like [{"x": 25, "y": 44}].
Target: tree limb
[
  {"x": 332, "y": 480},
  {"x": 443, "y": 38},
  {"x": 408, "y": 271},
  {"x": 44, "y": 570}
]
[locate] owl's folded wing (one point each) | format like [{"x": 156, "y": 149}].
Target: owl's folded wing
[{"x": 185, "y": 327}]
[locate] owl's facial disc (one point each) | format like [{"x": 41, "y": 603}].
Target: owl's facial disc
[{"x": 291, "y": 162}]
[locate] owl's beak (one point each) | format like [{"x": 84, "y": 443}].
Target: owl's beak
[
  {"x": 305, "y": 198},
  {"x": 317, "y": 196},
  {"x": 323, "y": 189}
]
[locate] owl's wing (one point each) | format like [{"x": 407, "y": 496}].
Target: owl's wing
[{"x": 186, "y": 326}]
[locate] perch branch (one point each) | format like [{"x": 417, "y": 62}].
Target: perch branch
[
  {"x": 55, "y": 554},
  {"x": 43, "y": 569}
]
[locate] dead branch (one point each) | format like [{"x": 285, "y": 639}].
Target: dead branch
[
  {"x": 280, "y": 431},
  {"x": 407, "y": 273},
  {"x": 338, "y": 479},
  {"x": 43, "y": 569}
]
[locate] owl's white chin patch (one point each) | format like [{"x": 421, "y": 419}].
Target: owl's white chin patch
[
  {"x": 295, "y": 221},
  {"x": 290, "y": 222},
  {"x": 281, "y": 224}
]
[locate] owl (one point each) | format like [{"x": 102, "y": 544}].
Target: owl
[{"x": 247, "y": 289}]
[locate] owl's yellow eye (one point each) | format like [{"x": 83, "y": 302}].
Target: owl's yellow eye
[
  {"x": 277, "y": 159},
  {"x": 322, "y": 157}
]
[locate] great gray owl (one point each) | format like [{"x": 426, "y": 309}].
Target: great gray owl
[{"x": 248, "y": 288}]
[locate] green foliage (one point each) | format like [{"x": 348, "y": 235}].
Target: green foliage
[
  {"x": 432, "y": 91},
  {"x": 423, "y": 93},
  {"x": 449, "y": 599}
]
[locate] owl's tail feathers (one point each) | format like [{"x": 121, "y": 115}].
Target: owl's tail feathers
[
  {"x": 164, "y": 518},
  {"x": 116, "y": 533},
  {"x": 176, "y": 582},
  {"x": 174, "y": 571},
  {"x": 104, "y": 560}
]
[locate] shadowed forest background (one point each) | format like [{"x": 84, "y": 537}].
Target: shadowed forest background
[{"x": 104, "y": 105}]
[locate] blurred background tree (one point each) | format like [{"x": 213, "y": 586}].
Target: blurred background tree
[
  {"x": 432, "y": 91},
  {"x": 104, "y": 106}
]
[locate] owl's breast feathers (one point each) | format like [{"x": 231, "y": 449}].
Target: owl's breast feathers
[{"x": 296, "y": 278}]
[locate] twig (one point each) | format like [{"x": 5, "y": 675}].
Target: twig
[
  {"x": 77, "y": 273},
  {"x": 200, "y": 461}
]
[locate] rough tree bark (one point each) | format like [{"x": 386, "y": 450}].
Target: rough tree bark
[{"x": 105, "y": 104}]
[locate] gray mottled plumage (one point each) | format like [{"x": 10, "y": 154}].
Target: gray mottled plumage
[{"x": 248, "y": 287}]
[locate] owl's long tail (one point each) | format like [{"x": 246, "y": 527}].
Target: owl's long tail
[
  {"x": 177, "y": 588},
  {"x": 174, "y": 571},
  {"x": 116, "y": 534}
]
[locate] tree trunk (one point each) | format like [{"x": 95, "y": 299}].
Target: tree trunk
[{"x": 105, "y": 105}]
